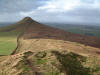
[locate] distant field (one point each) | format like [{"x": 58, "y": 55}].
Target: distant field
[
  {"x": 2, "y": 24},
  {"x": 8, "y": 42},
  {"x": 84, "y": 30},
  {"x": 79, "y": 29}
]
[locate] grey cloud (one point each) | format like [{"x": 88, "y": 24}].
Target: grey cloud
[
  {"x": 85, "y": 12},
  {"x": 18, "y": 5},
  {"x": 12, "y": 8},
  {"x": 85, "y": 15},
  {"x": 78, "y": 15},
  {"x": 82, "y": 14}
]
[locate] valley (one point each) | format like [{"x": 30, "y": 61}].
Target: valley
[{"x": 87, "y": 30}]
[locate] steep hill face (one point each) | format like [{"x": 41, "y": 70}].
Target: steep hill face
[{"x": 41, "y": 37}]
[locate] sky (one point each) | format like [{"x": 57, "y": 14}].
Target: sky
[{"x": 59, "y": 11}]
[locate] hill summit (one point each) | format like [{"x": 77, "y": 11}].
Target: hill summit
[{"x": 27, "y": 19}]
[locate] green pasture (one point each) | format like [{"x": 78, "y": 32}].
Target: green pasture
[{"x": 8, "y": 42}]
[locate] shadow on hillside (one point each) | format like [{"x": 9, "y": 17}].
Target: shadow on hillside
[{"x": 71, "y": 64}]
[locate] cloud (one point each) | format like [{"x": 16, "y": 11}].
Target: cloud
[
  {"x": 18, "y": 5},
  {"x": 59, "y": 5},
  {"x": 13, "y": 8},
  {"x": 80, "y": 11},
  {"x": 27, "y": 13}
]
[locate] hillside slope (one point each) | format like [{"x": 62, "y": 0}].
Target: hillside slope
[
  {"x": 41, "y": 37},
  {"x": 43, "y": 50}
]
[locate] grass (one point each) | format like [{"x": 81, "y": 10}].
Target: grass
[
  {"x": 71, "y": 64},
  {"x": 53, "y": 73},
  {"x": 8, "y": 42},
  {"x": 40, "y": 61},
  {"x": 24, "y": 66}
]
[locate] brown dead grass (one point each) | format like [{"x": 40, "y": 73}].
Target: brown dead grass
[{"x": 60, "y": 45}]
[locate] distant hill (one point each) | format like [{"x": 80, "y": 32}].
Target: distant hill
[
  {"x": 31, "y": 29},
  {"x": 2, "y": 24},
  {"x": 44, "y": 50}
]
